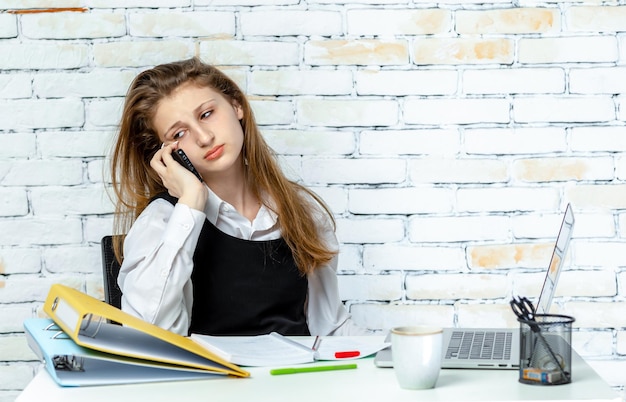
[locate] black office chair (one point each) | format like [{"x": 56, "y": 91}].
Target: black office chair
[{"x": 110, "y": 270}]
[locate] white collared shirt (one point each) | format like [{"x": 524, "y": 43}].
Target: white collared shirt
[{"x": 155, "y": 277}]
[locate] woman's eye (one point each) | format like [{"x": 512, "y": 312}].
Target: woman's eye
[
  {"x": 205, "y": 114},
  {"x": 178, "y": 134}
]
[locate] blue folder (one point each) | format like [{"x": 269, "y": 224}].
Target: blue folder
[{"x": 71, "y": 365}]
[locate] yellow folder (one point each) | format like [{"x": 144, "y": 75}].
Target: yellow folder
[{"x": 91, "y": 323}]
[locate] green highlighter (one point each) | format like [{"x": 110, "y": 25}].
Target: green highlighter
[{"x": 295, "y": 370}]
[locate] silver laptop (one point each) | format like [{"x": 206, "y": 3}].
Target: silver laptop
[{"x": 494, "y": 348}]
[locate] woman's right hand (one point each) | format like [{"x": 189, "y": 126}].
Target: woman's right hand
[{"x": 179, "y": 181}]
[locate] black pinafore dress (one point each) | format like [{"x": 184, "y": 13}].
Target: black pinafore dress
[{"x": 243, "y": 287}]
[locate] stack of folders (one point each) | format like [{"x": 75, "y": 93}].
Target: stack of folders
[{"x": 84, "y": 344}]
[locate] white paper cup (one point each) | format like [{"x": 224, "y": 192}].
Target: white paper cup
[{"x": 416, "y": 355}]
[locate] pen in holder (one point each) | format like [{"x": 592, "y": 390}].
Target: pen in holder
[
  {"x": 545, "y": 349},
  {"x": 545, "y": 345}
]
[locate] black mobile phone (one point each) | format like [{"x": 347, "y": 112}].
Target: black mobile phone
[{"x": 180, "y": 157}]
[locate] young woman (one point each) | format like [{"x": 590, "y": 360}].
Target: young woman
[{"x": 245, "y": 251}]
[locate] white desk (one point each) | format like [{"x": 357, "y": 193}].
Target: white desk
[{"x": 366, "y": 383}]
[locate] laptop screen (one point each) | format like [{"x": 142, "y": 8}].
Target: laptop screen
[{"x": 556, "y": 262}]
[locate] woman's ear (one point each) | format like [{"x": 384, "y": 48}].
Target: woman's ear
[{"x": 238, "y": 110}]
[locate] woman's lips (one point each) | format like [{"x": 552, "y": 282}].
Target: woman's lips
[{"x": 214, "y": 153}]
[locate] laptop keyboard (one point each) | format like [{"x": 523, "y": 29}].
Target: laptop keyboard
[{"x": 485, "y": 345}]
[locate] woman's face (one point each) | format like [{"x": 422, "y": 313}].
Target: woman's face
[{"x": 205, "y": 124}]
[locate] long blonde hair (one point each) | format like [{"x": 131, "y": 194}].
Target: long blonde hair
[{"x": 135, "y": 183}]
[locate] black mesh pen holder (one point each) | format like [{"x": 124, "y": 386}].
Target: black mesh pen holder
[{"x": 546, "y": 350}]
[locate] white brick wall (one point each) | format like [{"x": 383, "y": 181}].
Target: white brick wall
[{"x": 447, "y": 140}]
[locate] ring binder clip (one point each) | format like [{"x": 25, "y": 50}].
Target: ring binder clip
[
  {"x": 70, "y": 363},
  {"x": 87, "y": 323},
  {"x": 49, "y": 327},
  {"x": 59, "y": 334}
]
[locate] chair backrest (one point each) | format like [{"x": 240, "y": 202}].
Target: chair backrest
[{"x": 110, "y": 270}]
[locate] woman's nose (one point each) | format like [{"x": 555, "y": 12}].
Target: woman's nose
[{"x": 203, "y": 135}]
